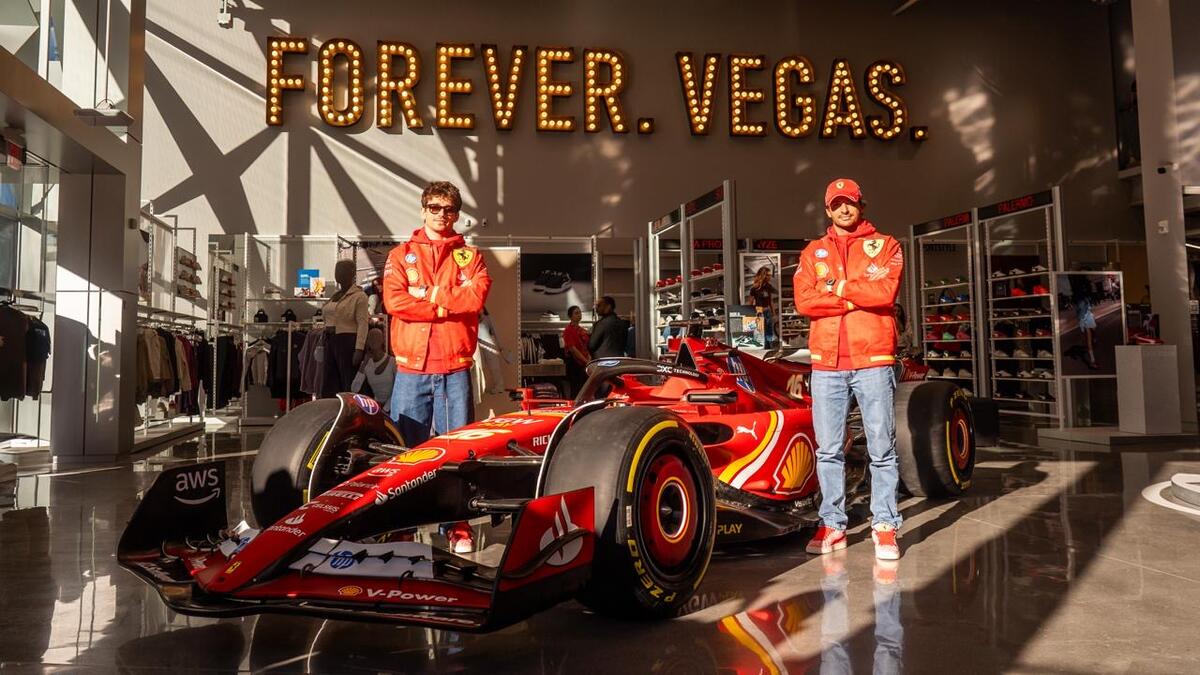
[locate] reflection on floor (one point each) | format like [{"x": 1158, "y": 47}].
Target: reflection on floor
[{"x": 1054, "y": 564}]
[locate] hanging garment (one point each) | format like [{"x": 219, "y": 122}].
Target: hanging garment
[
  {"x": 37, "y": 353},
  {"x": 285, "y": 364},
  {"x": 181, "y": 366},
  {"x": 258, "y": 357},
  {"x": 14, "y": 326},
  {"x": 312, "y": 362},
  {"x": 380, "y": 374},
  {"x": 489, "y": 359}
]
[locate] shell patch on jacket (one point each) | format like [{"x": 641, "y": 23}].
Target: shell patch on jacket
[
  {"x": 412, "y": 274},
  {"x": 463, "y": 256},
  {"x": 821, "y": 269},
  {"x": 872, "y": 247}
]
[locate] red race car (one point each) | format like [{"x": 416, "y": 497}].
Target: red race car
[{"x": 616, "y": 498}]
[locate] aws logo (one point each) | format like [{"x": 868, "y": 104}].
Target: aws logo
[
  {"x": 418, "y": 456},
  {"x": 797, "y": 466},
  {"x": 188, "y": 483}
]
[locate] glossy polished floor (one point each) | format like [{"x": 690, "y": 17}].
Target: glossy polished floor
[{"x": 1056, "y": 563}]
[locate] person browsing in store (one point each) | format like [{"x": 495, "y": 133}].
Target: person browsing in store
[
  {"x": 847, "y": 283},
  {"x": 434, "y": 287},
  {"x": 762, "y": 295},
  {"x": 575, "y": 342},
  {"x": 610, "y": 331}
]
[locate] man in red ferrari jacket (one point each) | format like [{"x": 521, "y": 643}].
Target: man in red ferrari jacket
[
  {"x": 847, "y": 282},
  {"x": 434, "y": 287}
]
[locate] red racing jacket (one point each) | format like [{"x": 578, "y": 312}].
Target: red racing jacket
[
  {"x": 863, "y": 291},
  {"x": 434, "y": 291}
]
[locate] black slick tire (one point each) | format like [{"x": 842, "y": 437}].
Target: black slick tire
[
  {"x": 655, "y": 507},
  {"x": 279, "y": 479},
  {"x": 935, "y": 439}
]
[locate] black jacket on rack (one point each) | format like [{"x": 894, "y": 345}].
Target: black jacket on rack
[
  {"x": 14, "y": 326},
  {"x": 277, "y": 367}
]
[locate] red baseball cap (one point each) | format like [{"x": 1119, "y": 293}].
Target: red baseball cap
[{"x": 843, "y": 187}]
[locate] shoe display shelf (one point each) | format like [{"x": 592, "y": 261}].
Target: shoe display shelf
[
  {"x": 946, "y": 310},
  {"x": 1022, "y": 250},
  {"x": 691, "y": 250}
]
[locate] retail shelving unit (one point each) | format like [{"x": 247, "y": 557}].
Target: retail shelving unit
[
  {"x": 945, "y": 251},
  {"x": 699, "y": 272},
  {"x": 793, "y": 327},
  {"x": 1022, "y": 244}
]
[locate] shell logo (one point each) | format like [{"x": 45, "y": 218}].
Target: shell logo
[
  {"x": 350, "y": 591},
  {"x": 797, "y": 466},
  {"x": 419, "y": 455}
]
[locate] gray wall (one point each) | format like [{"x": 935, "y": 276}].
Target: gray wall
[{"x": 1017, "y": 96}]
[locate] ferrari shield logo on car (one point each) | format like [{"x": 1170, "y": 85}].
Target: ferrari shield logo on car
[
  {"x": 872, "y": 247},
  {"x": 463, "y": 256}
]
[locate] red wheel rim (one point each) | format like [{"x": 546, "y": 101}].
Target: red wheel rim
[
  {"x": 960, "y": 440},
  {"x": 667, "y": 510}
]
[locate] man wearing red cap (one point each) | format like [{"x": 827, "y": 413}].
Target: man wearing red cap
[{"x": 847, "y": 282}]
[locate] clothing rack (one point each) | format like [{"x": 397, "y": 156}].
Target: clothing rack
[
  {"x": 291, "y": 327},
  {"x": 179, "y": 322}
]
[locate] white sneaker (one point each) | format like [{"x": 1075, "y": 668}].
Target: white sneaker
[
  {"x": 1003, "y": 373},
  {"x": 1020, "y": 354},
  {"x": 1044, "y": 354}
]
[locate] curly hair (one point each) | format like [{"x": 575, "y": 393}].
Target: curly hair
[{"x": 444, "y": 189}]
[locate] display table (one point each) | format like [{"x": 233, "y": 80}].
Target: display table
[{"x": 1147, "y": 389}]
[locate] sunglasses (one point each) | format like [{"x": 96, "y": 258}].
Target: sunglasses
[{"x": 437, "y": 209}]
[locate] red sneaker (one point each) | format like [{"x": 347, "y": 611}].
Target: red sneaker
[
  {"x": 461, "y": 538},
  {"x": 1041, "y": 290},
  {"x": 886, "y": 546},
  {"x": 826, "y": 540},
  {"x": 1017, "y": 291}
]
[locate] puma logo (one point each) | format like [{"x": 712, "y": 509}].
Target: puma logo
[{"x": 751, "y": 430}]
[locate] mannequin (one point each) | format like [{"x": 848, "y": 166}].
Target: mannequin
[{"x": 346, "y": 316}]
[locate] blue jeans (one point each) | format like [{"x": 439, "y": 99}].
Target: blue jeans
[
  {"x": 875, "y": 391},
  {"x": 421, "y": 403}
]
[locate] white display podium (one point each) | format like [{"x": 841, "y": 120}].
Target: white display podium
[{"x": 1147, "y": 389}]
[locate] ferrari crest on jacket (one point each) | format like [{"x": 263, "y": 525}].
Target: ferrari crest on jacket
[{"x": 858, "y": 288}]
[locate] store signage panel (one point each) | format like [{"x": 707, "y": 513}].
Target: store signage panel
[
  {"x": 942, "y": 224},
  {"x": 761, "y": 94},
  {"x": 1009, "y": 207},
  {"x": 778, "y": 244}
]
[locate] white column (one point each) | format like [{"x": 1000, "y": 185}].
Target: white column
[{"x": 1162, "y": 189}]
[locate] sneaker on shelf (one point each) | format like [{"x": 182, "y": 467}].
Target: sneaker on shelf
[
  {"x": 718, "y": 266},
  {"x": 963, "y": 297},
  {"x": 960, "y": 280},
  {"x": 998, "y": 275},
  {"x": 966, "y": 374},
  {"x": 931, "y": 337},
  {"x": 1024, "y": 374},
  {"x": 1021, "y": 395},
  {"x": 708, "y": 269},
  {"x": 1020, "y": 354},
  {"x": 930, "y": 318},
  {"x": 967, "y": 391},
  {"x": 826, "y": 540},
  {"x": 962, "y": 335},
  {"x": 1038, "y": 268},
  {"x": 1021, "y": 332},
  {"x": 934, "y": 372},
  {"x": 946, "y": 298},
  {"x": 933, "y": 354},
  {"x": 1015, "y": 271},
  {"x": 945, "y": 318},
  {"x": 964, "y": 354},
  {"x": 999, "y": 354},
  {"x": 1049, "y": 398},
  {"x": 660, "y": 283},
  {"x": 695, "y": 273},
  {"x": 927, "y": 283},
  {"x": 999, "y": 334},
  {"x": 886, "y": 545},
  {"x": 1046, "y": 374},
  {"x": 1041, "y": 332},
  {"x": 1003, "y": 373},
  {"x": 947, "y": 335},
  {"x": 962, "y": 317},
  {"x": 1016, "y": 292},
  {"x": 1039, "y": 289},
  {"x": 549, "y": 316},
  {"x": 1044, "y": 354},
  {"x": 461, "y": 538}
]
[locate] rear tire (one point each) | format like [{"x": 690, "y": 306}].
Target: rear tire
[
  {"x": 935, "y": 439},
  {"x": 655, "y": 507}
]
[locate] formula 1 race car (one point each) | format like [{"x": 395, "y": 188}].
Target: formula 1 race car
[{"x": 616, "y": 498}]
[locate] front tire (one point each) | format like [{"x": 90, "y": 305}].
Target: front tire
[
  {"x": 935, "y": 439},
  {"x": 655, "y": 507}
]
